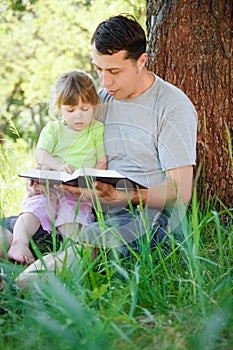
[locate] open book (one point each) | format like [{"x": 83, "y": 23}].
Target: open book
[{"x": 82, "y": 177}]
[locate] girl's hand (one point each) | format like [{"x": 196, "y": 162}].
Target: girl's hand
[
  {"x": 67, "y": 168},
  {"x": 33, "y": 188}
]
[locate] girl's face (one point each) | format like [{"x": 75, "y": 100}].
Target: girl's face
[{"x": 77, "y": 117}]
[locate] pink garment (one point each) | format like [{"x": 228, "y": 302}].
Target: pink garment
[{"x": 59, "y": 208}]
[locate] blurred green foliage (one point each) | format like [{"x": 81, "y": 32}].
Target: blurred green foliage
[{"x": 40, "y": 39}]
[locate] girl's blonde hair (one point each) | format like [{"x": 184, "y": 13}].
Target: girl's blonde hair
[{"x": 71, "y": 88}]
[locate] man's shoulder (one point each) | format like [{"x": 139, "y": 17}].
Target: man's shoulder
[{"x": 170, "y": 92}]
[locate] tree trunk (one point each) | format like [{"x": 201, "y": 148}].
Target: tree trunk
[{"x": 190, "y": 45}]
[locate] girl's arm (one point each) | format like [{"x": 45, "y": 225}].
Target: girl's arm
[
  {"x": 45, "y": 160},
  {"x": 102, "y": 163}
]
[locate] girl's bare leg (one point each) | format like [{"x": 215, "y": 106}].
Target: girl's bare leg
[
  {"x": 70, "y": 230},
  {"x": 25, "y": 227},
  {"x": 5, "y": 241}
]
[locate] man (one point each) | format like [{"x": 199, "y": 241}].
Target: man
[
  {"x": 150, "y": 136},
  {"x": 150, "y": 129}
]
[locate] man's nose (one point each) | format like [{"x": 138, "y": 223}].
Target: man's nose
[{"x": 106, "y": 79}]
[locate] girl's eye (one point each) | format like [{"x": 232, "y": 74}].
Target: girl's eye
[{"x": 70, "y": 110}]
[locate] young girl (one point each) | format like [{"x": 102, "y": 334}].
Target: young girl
[{"x": 73, "y": 142}]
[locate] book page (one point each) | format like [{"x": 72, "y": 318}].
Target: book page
[
  {"x": 46, "y": 174},
  {"x": 62, "y": 176},
  {"x": 78, "y": 178},
  {"x": 95, "y": 173}
]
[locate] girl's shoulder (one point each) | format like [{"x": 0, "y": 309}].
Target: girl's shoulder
[
  {"x": 54, "y": 124},
  {"x": 96, "y": 127},
  {"x": 97, "y": 123}
]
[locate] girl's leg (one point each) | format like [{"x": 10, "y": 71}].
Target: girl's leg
[
  {"x": 5, "y": 241},
  {"x": 26, "y": 226},
  {"x": 37, "y": 210},
  {"x": 72, "y": 216},
  {"x": 70, "y": 230}
]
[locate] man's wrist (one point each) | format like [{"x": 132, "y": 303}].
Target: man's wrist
[{"x": 136, "y": 197}]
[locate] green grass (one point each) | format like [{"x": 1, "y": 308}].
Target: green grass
[{"x": 181, "y": 302}]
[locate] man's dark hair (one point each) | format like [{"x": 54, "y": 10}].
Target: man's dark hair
[{"x": 120, "y": 33}]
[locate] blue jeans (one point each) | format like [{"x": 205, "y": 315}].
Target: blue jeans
[
  {"x": 125, "y": 229},
  {"x": 122, "y": 230}
]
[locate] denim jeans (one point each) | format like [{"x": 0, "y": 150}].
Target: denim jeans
[{"x": 124, "y": 230}]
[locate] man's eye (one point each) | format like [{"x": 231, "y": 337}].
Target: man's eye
[{"x": 114, "y": 72}]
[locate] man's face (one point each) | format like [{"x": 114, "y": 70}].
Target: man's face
[{"x": 120, "y": 76}]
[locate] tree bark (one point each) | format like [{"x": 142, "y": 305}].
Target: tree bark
[{"x": 190, "y": 45}]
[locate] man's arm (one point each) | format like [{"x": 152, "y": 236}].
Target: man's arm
[{"x": 178, "y": 185}]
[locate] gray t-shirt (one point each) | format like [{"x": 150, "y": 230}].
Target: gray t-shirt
[{"x": 151, "y": 133}]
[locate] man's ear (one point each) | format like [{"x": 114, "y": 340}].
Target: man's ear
[{"x": 141, "y": 62}]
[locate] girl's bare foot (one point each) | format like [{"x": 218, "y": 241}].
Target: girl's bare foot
[{"x": 21, "y": 253}]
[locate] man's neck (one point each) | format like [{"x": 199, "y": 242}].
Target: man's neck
[{"x": 146, "y": 81}]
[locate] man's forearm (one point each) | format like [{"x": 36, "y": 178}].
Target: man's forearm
[
  {"x": 157, "y": 196},
  {"x": 135, "y": 197},
  {"x": 165, "y": 194},
  {"x": 162, "y": 195},
  {"x": 177, "y": 186}
]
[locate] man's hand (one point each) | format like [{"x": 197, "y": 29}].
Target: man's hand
[
  {"x": 105, "y": 192},
  {"x": 177, "y": 186}
]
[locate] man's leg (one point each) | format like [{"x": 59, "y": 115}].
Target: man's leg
[{"x": 126, "y": 229}]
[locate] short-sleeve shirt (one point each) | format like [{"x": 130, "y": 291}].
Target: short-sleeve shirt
[
  {"x": 147, "y": 135},
  {"x": 78, "y": 148}
]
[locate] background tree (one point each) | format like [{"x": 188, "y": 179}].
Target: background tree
[
  {"x": 40, "y": 39},
  {"x": 190, "y": 45}
]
